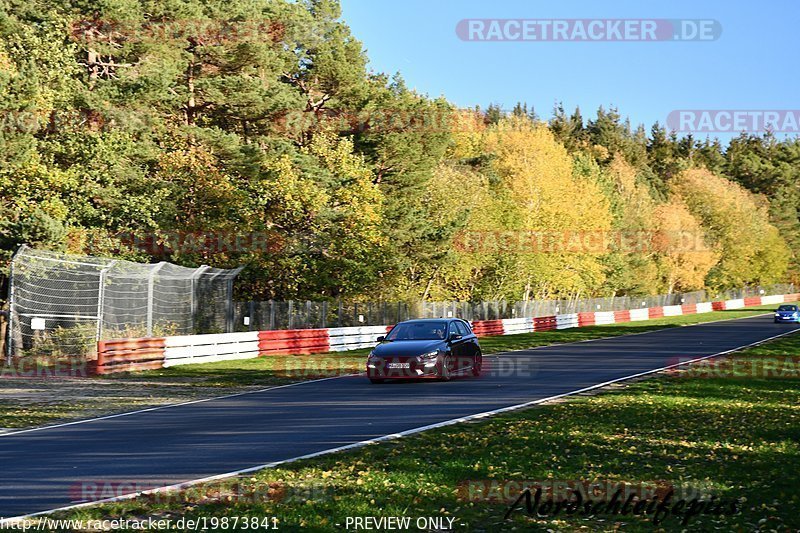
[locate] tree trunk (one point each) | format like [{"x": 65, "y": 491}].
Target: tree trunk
[{"x": 191, "y": 102}]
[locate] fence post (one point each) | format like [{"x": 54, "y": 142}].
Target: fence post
[
  {"x": 339, "y": 311},
  {"x": 251, "y": 311},
  {"x": 291, "y": 314},
  {"x": 230, "y": 314},
  {"x": 150, "y": 285},
  {"x": 101, "y": 294},
  {"x": 324, "y": 314},
  {"x": 230, "y": 325},
  {"x": 271, "y": 314},
  {"x": 11, "y": 301},
  {"x": 193, "y": 289}
]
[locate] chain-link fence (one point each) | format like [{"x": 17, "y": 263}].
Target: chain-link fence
[
  {"x": 60, "y": 304},
  {"x": 251, "y": 316}
]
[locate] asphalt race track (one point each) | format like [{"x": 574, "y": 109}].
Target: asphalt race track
[{"x": 40, "y": 469}]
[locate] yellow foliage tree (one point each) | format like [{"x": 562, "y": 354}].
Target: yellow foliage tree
[
  {"x": 460, "y": 269},
  {"x": 631, "y": 266},
  {"x": 546, "y": 198},
  {"x": 737, "y": 222},
  {"x": 683, "y": 256}
]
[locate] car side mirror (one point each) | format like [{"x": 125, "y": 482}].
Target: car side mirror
[
  {"x": 381, "y": 338},
  {"x": 455, "y": 336}
]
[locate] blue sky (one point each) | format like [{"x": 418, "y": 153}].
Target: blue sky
[{"x": 753, "y": 65}]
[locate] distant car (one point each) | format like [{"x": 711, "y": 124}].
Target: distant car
[
  {"x": 787, "y": 313},
  {"x": 439, "y": 348}
]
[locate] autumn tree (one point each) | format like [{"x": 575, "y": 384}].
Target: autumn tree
[{"x": 736, "y": 222}]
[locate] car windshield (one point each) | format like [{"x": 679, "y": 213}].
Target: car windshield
[
  {"x": 787, "y": 308},
  {"x": 418, "y": 331}
]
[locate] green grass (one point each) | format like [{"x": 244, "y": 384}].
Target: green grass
[{"x": 733, "y": 437}]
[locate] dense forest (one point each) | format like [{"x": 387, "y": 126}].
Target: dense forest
[{"x": 136, "y": 128}]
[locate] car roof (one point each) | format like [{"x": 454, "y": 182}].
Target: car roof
[{"x": 429, "y": 320}]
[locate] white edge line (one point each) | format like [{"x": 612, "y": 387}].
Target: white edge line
[
  {"x": 663, "y": 327},
  {"x": 180, "y": 486},
  {"x": 256, "y": 391},
  {"x": 159, "y": 407}
]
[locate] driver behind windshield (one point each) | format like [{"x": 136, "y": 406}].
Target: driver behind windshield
[{"x": 419, "y": 331}]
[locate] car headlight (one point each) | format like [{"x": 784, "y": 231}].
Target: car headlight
[
  {"x": 372, "y": 360},
  {"x": 777, "y": 314},
  {"x": 429, "y": 356}
]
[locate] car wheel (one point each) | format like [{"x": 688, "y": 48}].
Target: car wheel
[
  {"x": 477, "y": 365},
  {"x": 376, "y": 381},
  {"x": 444, "y": 369}
]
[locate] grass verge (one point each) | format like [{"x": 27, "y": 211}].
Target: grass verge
[{"x": 731, "y": 430}]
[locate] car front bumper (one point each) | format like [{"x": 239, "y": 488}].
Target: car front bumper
[{"x": 411, "y": 368}]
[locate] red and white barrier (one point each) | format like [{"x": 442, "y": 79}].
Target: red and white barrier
[
  {"x": 353, "y": 338},
  {"x": 705, "y": 307},
  {"x": 125, "y": 355},
  {"x": 517, "y": 325},
  {"x": 567, "y": 321},
  {"x": 604, "y": 317},
  {"x": 190, "y": 349},
  {"x": 771, "y": 300}
]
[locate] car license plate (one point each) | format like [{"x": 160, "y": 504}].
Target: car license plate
[{"x": 398, "y": 365}]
